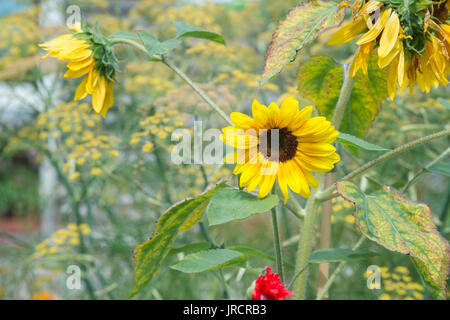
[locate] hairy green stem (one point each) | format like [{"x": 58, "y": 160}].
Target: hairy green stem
[
  {"x": 338, "y": 115},
  {"x": 339, "y": 268},
  {"x": 344, "y": 97},
  {"x": 304, "y": 246},
  {"x": 327, "y": 193},
  {"x": 180, "y": 73},
  {"x": 277, "y": 244},
  {"x": 197, "y": 90}
]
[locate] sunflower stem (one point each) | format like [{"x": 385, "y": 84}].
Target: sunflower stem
[
  {"x": 338, "y": 115},
  {"x": 277, "y": 243},
  {"x": 328, "y": 193},
  {"x": 304, "y": 246},
  {"x": 344, "y": 97},
  {"x": 197, "y": 90},
  {"x": 181, "y": 74}
]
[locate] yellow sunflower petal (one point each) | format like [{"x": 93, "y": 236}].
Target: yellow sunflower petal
[
  {"x": 98, "y": 96},
  {"x": 266, "y": 184},
  {"x": 373, "y": 33},
  {"x": 259, "y": 113},
  {"x": 243, "y": 121},
  {"x": 390, "y": 35},
  {"x": 239, "y": 138},
  {"x": 282, "y": 180},
  {"x": 81, "y": 92},
  {"x": 348, "y": 32}
]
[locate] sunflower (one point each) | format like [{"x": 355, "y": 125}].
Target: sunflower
[
  {"x": 303, "y": 146},
  {"x": 412, "y": 40},
  {"x": 88, "y": 58}
]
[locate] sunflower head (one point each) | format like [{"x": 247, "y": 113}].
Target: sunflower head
[
  {"x": 283, "y": 143},
  {"x": 412, "y": 40},
  {"x": 90, "y": 54}
]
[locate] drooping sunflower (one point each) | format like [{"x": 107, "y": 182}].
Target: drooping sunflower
[
  {"x": 412, "y": 39},
  {"x": 303, "y": 147},
  {"x": 88, "y": 55}
]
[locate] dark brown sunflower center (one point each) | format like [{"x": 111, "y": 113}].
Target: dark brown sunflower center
[
  {"x": 440, "y": 12},
  {"x": 284, "y": 150}
]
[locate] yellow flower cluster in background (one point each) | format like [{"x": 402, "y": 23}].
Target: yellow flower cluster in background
[
  {"x": 158, "y": 126},
  {"x": 61, "y": 239},
  {"x": 202, "y": 17},
  {"x": 185, "y": 100},
  {"x": 148, "y": 10},
  {"x": 147, "y": 80},
  {"x": 342, "y": 211},
  {"x": 18, "y": 37},
  {"x": 398, "y": 285},
  {"x": 75, "y": 136},
  {"x": 237, "y": 80},
  {"x": 194, "y": 179},
  {"x": 211, "y": 49}
]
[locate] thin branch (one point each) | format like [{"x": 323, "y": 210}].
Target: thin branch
[{"x": 326, "y": 194}]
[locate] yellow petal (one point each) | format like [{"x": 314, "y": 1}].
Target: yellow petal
[
  {"x": 282, "y": 181},
  {"x": 392, "y": 79},
  {"x": 383, "y": 62},
  {"x": 239, "y": 138},
  {"x": 288, "y": 111},
  {"x": 373, "y": 33},
  {"x": 348, "y": 32},
  {"x": 390, "y": 35},
  {"x": 243, "y": 121},
  {"x": 401, "y": 67},
  {"x": 266, "y": 185},
  {"x": 98, "y": 96},
  {"x": 81, "y": 92},
  {"x": 109, "y": 99},
  {"x": 77, "y": 73},
  {"x": 300, "y": 118},
  {"x": 361, "y": 59},
  {"x": 316, "y": 149}
]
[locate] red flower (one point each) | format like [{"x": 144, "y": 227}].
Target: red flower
[{"x": 270, "y": 287}]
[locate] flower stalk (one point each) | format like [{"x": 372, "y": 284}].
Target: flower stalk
[
  {"x": 277, "y": 244},
  {"x": 328, "y": 193},
  {"x": 338, "y": 115},
  {"x": 181, "y": 74},
  {"x": 304, "y": 246}
]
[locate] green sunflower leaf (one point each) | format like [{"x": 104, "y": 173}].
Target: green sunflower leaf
[
  {"x": 444, "y": 102},
  {"x": 257, "y": 254},
  {"x": 402, "y": 225},
  {"x": 338, "y": 254},
  {"x": 184, "y": 30},
  {"x": 301, "y": 26},
  {"x": 156, "y": 47},
  {"x": 320, "y": 80},
  {"x": 353, "y": 141},
  {"x": 231, "y": 204},
  {"x": 149, "y": 256},
  {"x": 191, "y": 248},
  {"x": 442, "y": 168},
  {"x": 210, "y": 260},
  {"x": 123, "y": 35}
]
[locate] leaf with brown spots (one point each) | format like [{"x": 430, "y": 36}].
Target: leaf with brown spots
[
  {"x": 402, "y": 225},
  {"x": 301, "y": 26}
]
